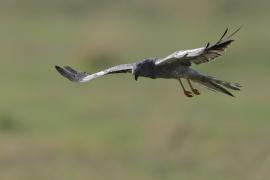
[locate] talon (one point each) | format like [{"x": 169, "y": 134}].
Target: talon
[
  {"x": 188, "y": 93},
  {"x": 196, "y": 91}
]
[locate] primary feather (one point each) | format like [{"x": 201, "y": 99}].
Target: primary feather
[{"x": 199, "y": 55}]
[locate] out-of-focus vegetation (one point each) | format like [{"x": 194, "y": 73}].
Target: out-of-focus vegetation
[{"x": 114, "y": 127}]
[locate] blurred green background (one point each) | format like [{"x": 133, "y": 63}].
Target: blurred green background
[{"x": 114, "y": 127}]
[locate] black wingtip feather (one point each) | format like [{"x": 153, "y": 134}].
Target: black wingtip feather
[
  {"x": 66, "y": 73},
  {"x": 207, "y": 45},
  {"x": 226, "y": 31},
  {"x": 57, "y": 67},
  {"x": 230, "y": 36},
  {"x": 60, "y": 70},
  {"x": 220, "y": 46},
  {"x": 236, "y": 31}
]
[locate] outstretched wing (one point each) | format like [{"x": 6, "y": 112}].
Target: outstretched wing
[
  {"x": 199, "y": 55},
  {"x": 76, "y": 76}
]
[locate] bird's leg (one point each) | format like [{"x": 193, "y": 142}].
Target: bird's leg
[
  {"x": 187, "y": 93},
  {"x": 195, "y": 91}
]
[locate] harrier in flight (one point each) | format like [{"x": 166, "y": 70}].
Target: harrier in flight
[{"x": 175, "y": 66}]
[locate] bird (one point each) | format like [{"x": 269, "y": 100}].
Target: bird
[{"x": 177, "y": 65}]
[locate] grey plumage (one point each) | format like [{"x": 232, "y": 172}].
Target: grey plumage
[
  {"x": 175, "y": 66},
  {"x": 76, "y": 76}
]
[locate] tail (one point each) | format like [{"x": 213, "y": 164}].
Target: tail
[{"x": 217, "y": 85}]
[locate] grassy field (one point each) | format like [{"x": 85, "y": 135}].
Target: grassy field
[{"x": 115, "y": 127}]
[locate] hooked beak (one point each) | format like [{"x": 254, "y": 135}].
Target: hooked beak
[{"x": 136, "y": 76}]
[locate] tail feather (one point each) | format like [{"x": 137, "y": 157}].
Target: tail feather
[
  {"x": 217, "y": 85},
  {"x": 220, "y": 88},
  {"x": 233, "y": 86}
]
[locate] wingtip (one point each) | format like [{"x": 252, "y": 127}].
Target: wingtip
[
  {"x": 58, "y": 68},
  {"x": 224, "y": 34},
  {"x": 207, "y": 45},
  {"x": 236, "y": 31}
]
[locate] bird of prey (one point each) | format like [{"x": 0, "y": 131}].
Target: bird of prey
[{"x": 175, "y": 66}]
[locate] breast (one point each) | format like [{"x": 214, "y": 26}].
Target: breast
[{"x": 171, "y": 72}]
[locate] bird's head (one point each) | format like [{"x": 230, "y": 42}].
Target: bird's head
[{"x": 145, "y": 68}]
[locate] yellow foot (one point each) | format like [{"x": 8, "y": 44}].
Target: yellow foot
[
  {"x": 196, "y": 91},
  {"x": 188, "y": 93}
]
